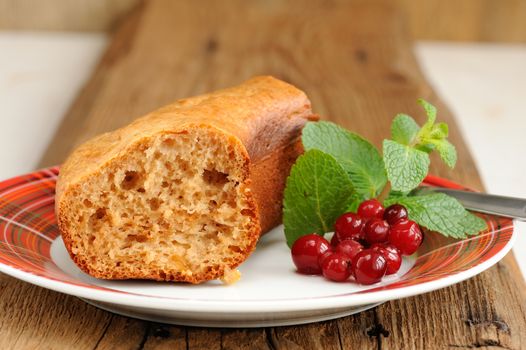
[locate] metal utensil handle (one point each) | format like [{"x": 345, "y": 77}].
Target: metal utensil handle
[{"x": 489, "y": 203}]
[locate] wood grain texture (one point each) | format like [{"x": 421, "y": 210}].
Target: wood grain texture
[
  {"x": 466, "y": 20},
  {"x": 74, "y": 15},
  {"x": 354, "y": 60}
]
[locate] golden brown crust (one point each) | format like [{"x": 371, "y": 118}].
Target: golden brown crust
[
  {"x": 263, "y": 114},
  {"x": 262, "y": 118},
  {"x": 268, "y": 182}
]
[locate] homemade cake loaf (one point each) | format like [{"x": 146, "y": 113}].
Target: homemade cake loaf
[{"x": 183, "y": 193}]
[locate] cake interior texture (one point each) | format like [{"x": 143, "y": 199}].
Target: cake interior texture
[{"x": 177, "y": 207}]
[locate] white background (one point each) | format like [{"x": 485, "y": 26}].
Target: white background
[{"x": 484, "y": 85}]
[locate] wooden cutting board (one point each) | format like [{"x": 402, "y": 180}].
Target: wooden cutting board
[{"x": 355, "y": 61}]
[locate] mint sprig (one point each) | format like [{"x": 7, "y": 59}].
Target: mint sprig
[
  {"x": 406, "y": 166},
  {"x": 404, "y": 129},
  {"x": 406, "y": 156},
  {"x": 316, "y": 194},
  {"x": 441, "y": 213},
  {"x": 360, "y": 159},
  {"x": 340, "y": 169}
]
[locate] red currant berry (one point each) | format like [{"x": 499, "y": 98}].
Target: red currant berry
[
  {"x": 371, "y": 209},
  {"x": 349, "y": 247},
  {"x": 392, "y": 256},
  {"x": 376, "y": 231},
  {"x": 323, "y": 256},
  {"x": 395, "y": 212},
  {"x": 349, "y": 226},
  {"x": 369, "y": 267},
  {"x": 305, "y": 253},
  {"x": 336, "y": 267},
  {"x": 406, "y": 236}
]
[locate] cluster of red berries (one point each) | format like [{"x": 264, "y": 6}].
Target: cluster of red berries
[{"x": 367, "y": 245}]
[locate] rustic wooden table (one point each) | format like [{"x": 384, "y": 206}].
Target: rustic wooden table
[{"x": 354, "y": 60}]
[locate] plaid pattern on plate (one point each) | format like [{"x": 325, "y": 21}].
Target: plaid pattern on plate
[{"x": 28, "y": 228}]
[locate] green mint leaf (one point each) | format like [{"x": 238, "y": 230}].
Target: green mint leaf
[
  {"x": 404, "y": 129},
  {"x": 472, "y": 224},
  {"x": 431, "y": 112},
  {"x": 393, "y": 195},
  {"x": 406, "y": 166},
  {"x": 317, "y": 192},
  {"x": 439, "y": 131},
  {"x": 427, "y": 148},
  {"x": 441, "y": 213},
  {"x": 360, "y": 160},
  {"x": 447, "y": 152},
  {"x": 353, "y": 203}
]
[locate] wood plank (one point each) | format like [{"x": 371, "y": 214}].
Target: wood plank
[
  {"x": 247, "y": 339},
  {"x": 35, "y": 318},
  {"x": 355, "y": 61},
  {"x": 466, "y": 20},
  {"x": 62, "y": 15},
  {"x": 321, "y": 335}
]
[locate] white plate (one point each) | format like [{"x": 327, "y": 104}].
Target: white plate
[{"x": 270, "y": 292}]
